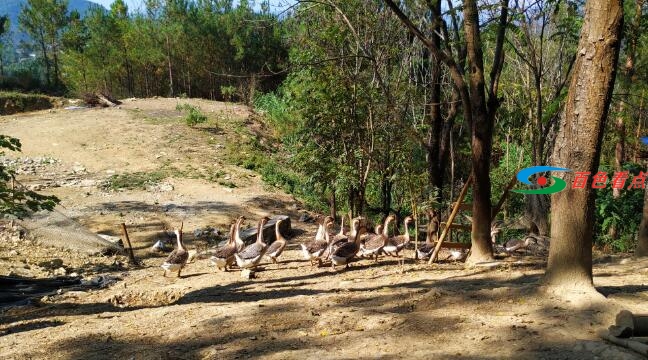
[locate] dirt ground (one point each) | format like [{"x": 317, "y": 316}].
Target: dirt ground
[{"x": 290, "y": 310}]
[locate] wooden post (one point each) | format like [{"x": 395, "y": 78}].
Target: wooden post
[
  {"x": 450, "y": 219},
  {"x": 130, "y": 247}
]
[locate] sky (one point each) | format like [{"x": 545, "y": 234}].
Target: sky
[{"x": 275, "y": 5}]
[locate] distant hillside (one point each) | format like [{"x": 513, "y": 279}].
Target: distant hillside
[{"x": 13, "y": 8}]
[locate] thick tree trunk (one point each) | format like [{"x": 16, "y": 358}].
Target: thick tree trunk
[
  {"x": 482, "y": 136},
  {"x": 578, "y": 143}
]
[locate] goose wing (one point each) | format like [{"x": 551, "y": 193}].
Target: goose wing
[
  {"x": 315, "y": 246},
  {"x": 374, "y": 242},
  {"x": 225, "y": 251},
  {"x": 276, "y": 247},
  {"x": 347, "y": 250},
  {"x": 251, "y": 251},
  {"x": 177, "y": 256}
]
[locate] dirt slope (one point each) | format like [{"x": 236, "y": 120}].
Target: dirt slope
[{"x": 291, "y": 310}]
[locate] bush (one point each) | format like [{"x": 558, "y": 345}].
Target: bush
[
  {"x": 624, "y": 213},
  {"x": 194, "y": 116}
]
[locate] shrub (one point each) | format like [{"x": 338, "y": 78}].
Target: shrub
[{"x": 194, "y": 116}]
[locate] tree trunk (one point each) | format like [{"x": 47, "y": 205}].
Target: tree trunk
[
  {"x": 333, "y": 204},
  {"x": 43, "y": 45},
  {"x": 578, "y": 143},
  {"x": 482, "y": 136},
  {"x": 170, "y": 67},
  {"x": 642, "y": 244},
  {"x": 435, "y": 119}
]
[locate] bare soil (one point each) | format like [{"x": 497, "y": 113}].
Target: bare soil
[{"x": 290, "y": 310}]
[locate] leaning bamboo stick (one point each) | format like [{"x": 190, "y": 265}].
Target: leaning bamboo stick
[{"x": 454, "y": 212}]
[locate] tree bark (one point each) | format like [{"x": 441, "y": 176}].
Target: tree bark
[
  {"x": 642, "y": 243},
  {"x": 482, "y": 137},
  {"x": 578, "y": 143},
  {"x": 435, "y": 119}
]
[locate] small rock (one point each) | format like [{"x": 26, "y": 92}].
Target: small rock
[
  {"x": 116, "y": 240},
  {"x": 247, "y": 274},
  {"x": 14, "y": 253},
  {"x": 36, "y": 187},
  {"x": 87, "y": 183},
  {"x": 253, "y": 338},
  {"x": 78, "y": 169},
  {"x": 110, "y": 172},
  {"x": 74, "y": 274},
  {"x": 60, "y": 272}
]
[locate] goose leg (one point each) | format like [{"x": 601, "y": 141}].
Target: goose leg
[{"x": 179, "y": 272}]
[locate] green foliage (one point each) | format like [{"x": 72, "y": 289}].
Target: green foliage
[
  {"x": 194, "y": 116},
  {"x": 624, "y": 213},
  {"x": 14, "y": 199},
  {"x": 44, "y": 21},
  {"x": 197, "y": 48},
  {"x": 228, "y": 92}
]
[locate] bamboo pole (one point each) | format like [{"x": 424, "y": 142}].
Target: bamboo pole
[
  {"x": 450, "y": 219},
  {"x": 131, "y": 255}
]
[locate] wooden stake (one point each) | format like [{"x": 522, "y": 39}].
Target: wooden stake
[
  {"x": 450, "y": 219},
  {"x": 130, "y": 247}
]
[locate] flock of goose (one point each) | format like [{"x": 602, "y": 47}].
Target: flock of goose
[{"x": 338, "y": 249}]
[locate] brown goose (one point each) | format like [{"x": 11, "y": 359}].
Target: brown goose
[
  {"x": 240, "y": 244},
  {"x": 178, "y": 257},
  {"x": 224, "y": 255},
  {"x": 346, "y": 252},
  {"x": 313, "y": 250},
  {"x": 425, "y": 250},
  {"x": 340, "y": 239},
  {"x": 374, "y": 245},
  {"x": 398, "y": 243},
  {"x": 250, "y": 256},
  {"x": 277, "y": 247}
]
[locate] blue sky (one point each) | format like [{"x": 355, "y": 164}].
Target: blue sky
[{"x": 275, "y": 5}]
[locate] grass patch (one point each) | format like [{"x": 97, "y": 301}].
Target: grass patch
[
  {"x": 14, "y": 102},
  {"x": 136, "y": 180}
]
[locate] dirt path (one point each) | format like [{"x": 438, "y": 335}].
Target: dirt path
[{"x": 291, "y": 310}]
